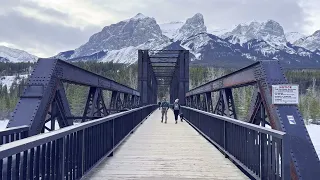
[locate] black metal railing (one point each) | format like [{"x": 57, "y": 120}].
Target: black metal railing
[
  {"x": 70, "y": 152},
  {"x": 13, "y": 134},
  {"x": 258, "y": 151}
]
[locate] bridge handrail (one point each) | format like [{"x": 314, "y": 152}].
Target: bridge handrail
[
  {"x": 89, "y": 142},
  {"x": 33, "y": 141},
  {"x": 9, "y": 131},
  {"x": 13, "y": 134},
  {"x": 273, "y": 132},
  {"x": 260, "y": 152}
]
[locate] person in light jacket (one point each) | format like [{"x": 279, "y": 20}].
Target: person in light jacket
[{"x": 176, "y": 110}]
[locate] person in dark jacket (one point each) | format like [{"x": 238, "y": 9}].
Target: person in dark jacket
[
  {"x": 159, "y": 104},
  {"x": 164, "y": 110},
  {"x": 176, "y": 110}
]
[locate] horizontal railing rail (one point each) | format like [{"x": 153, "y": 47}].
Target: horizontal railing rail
[
  {"x": 13, "y": 134},
  {"x": 70, "y": 152},
  {"x": 258, "y": 151}
]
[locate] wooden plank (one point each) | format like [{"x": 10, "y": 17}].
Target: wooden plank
[{"x": 166, "y": 151}]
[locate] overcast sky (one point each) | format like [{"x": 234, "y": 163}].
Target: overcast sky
[{"x": 46, "y": 27}]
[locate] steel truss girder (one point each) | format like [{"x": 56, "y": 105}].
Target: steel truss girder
[
  {"x": 304, "y": 162},
  {"x": 238, "y": 78},
  {"x": 95, "y": 106},
  {"x": 40, "y": 91},
  {"x": 73, "y": 74},
  {"x": 225, "y": 105},
  {"x": 257, "y": 114},
  {"x": 59, "y": 111}
]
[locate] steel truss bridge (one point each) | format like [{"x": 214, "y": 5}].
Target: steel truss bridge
[{"x": 33, "y": 147}]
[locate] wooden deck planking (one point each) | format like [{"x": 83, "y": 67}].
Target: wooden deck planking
[{"x": 166, "y": 151}]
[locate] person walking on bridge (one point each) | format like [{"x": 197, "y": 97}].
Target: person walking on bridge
[
  {"x": 176, "y": 110},
  {"x": 159, "y": 104},
  {"x": 164, "y": 110}
]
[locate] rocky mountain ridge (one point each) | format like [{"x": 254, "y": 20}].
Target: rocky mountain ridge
[{"x": 244, "y": 44}]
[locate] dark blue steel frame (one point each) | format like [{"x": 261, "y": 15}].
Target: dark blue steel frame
[
  {"x": 44, "y": 99},
  {"x": 71, "y": 152},
  {"x": 304, "y": 162}
]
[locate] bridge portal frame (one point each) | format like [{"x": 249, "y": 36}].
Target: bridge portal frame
[{"x": 172, "y": 66}]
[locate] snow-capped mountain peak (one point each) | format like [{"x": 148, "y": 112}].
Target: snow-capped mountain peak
[
  {"x": 269, "y": 31},
  {"x": 311, "y": 42},
  {"x": 192, "y": 26},
  {"x": 139, "y": 16},
  {"x": 294, "y": 36},
  {"x": 132, "y": 32},
  {"x": 15, "y": 55}
]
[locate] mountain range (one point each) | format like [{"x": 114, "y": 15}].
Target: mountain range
[
  {"x": 243, "y": 45},
  {"x": 15, "y": 55}
]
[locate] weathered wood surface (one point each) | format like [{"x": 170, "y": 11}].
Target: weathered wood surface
[{"x": 166, "y": 151}]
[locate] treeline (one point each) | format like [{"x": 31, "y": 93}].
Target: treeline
[
  {"x": 10, "y": 69},
  {"x": 124, "y": 74},
  {"x": 9, "y": 96},
  {"x": 308, "y": 80}
]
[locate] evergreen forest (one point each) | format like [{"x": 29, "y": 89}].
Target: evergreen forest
[{"x": 308, "y": 80}]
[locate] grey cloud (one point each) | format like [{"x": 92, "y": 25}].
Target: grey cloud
[
  {"x": 29, "y": 32},
  {"x": 9, "y": 3},
  {"x": 226, "y": 13},
  {"x": 46, "y": 11}
]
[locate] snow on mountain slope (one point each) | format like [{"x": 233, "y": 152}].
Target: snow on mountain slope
[
  {"x": 130, "y": 54},
  {"x": 218, "y": 32},
  {"x": 16, "y": 55},
  {"x": 293, "y": 36},
  {"x": 270, "y": 31},
  {"x": 170, "y": 29},
  {"x": 311, "y": 42},
  {"x": 64, "y": 55},
  {"x": 9, "y": 80},
  {"x": 195, "y": 44}
]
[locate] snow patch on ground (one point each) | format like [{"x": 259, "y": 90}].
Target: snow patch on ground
[
  {"x": 8, "y": 80},
  {"x": 3, "y": 124},
  {"x": 314, "y": 133}
]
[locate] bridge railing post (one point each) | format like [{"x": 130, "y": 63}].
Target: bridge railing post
[
  {"x": 82, "y": 150},
  {"x": 262, "y": 154},
  {"x": 62, "y": 157},
  {"x": 112, "y": 134},
  {"x": 225, "y": 138}
]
